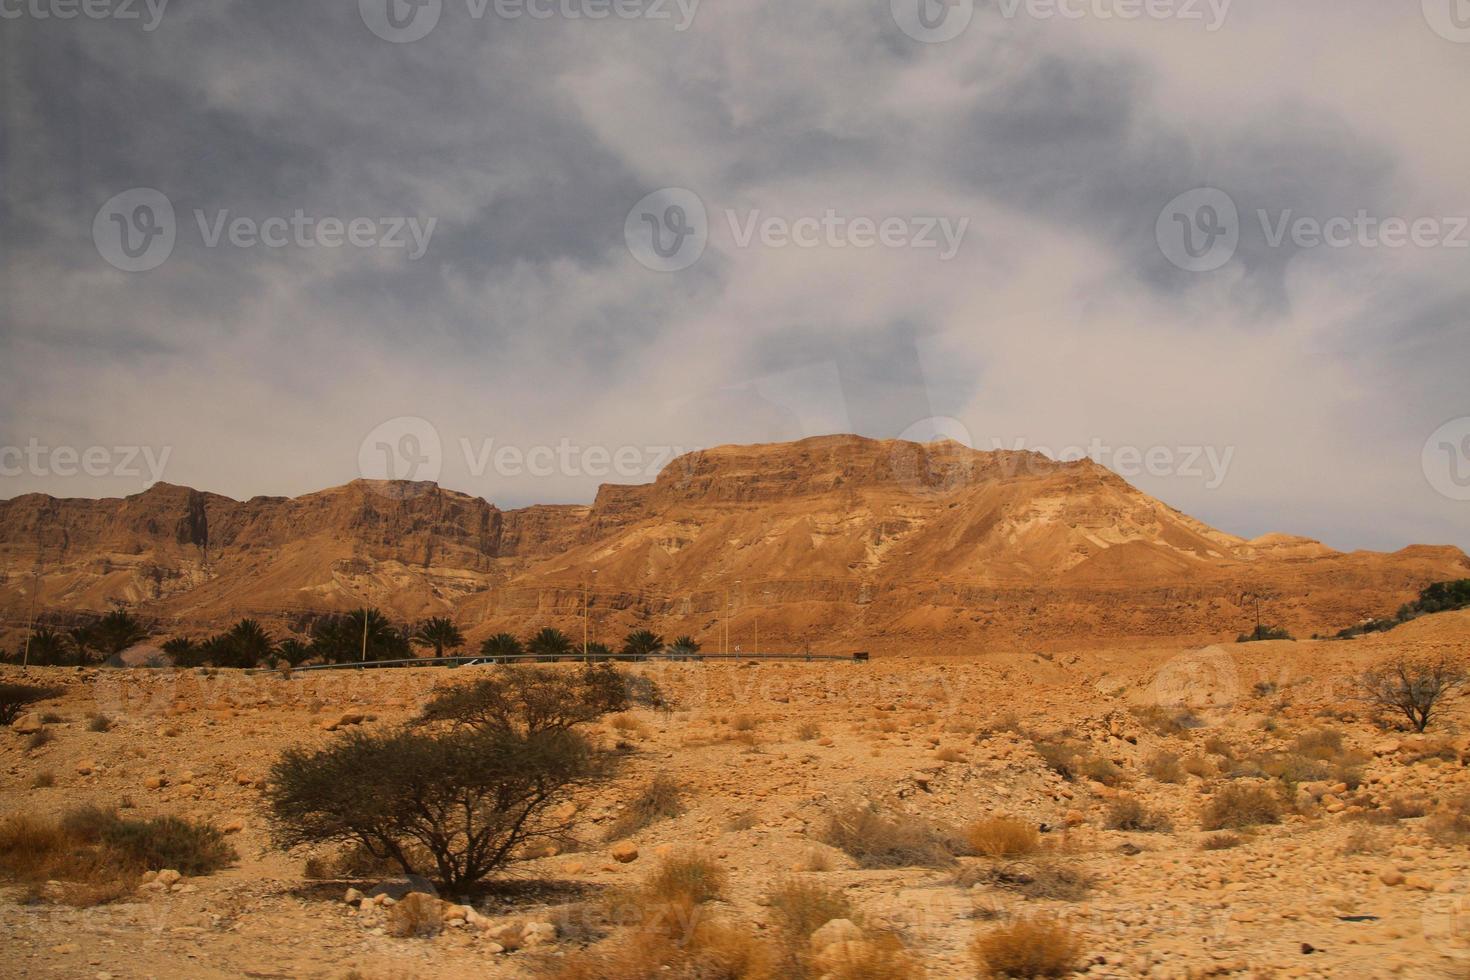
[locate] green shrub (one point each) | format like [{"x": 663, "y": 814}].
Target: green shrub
[{"x": 169, "y": 842}]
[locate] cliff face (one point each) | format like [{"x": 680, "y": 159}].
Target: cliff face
[{"x": 836, "y": 541}]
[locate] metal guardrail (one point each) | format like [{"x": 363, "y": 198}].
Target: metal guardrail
[{"x": 573, "y": 658}]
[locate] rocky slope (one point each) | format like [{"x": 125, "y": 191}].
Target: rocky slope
[{"x": 838, "y": 542}]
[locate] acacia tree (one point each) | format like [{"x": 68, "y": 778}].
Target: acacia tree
[
  {"x": 453, "y": 805},
  {"x": 461, "y": 790},
  {"x": 438, "y": 633},
  {"x": 1412, "y": 688}
]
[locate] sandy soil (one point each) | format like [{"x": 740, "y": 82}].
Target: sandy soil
[{"x": 199, "y": 746}]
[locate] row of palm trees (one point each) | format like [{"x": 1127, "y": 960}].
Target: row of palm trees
[{"x": 363, "y": 634}]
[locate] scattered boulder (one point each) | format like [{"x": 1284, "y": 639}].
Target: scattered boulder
[
  {"x": 27, "y": 724},
  {"x": 624, "y": 852},
  {"x": 835, "y": 931}
]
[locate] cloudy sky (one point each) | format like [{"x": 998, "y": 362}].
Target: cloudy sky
[{"x": 1086, "y": 226}]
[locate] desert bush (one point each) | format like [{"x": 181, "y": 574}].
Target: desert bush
[
  {"x": 877, "y": 840},
  {"x": 89, "y": 856},
  {"x": 1237, "y": 805},
  {"x": 1044, "y": 879},
  {"x": 1451, "y": 824},
  {"x": 1001, "y": 837},
  {"x": 1263, "y": 632},
  {"x": 44, "y": 780},
  {"x": 661, "y": 799},
  {"x": 876, "y": 957},
  {"x": 455, "y": 805},
  {"x": 51, "y": 718},
  {"x": 1217, "y": 746},
  {"x": 695, "y": 877},
  {"x": 15, "y": 698},
  {"x": 1325, "y": 744},
  {"x": 744, "y": 723},
  {"x": 530, "y": 700},
  {"x": 949, "y": 754},
  {"x": 1165, "y": 767},
  {"x": 1102, "y": 770},
  {"x": 1161, "y": 721},
  {"x": 1028, "y": 947},
  {"x": 1201, "y": 766},
  {"x": 169, "y": 842},
  {"x": 1221, "y": 842},
  {"x": 39, "y": 739},
  {"x": 99, "y": 723},
  {"x": 803, "y": 907},
  {"x": 1131, "y": 815},
  {"x": 1412, "y": 688},
  {"x": 1062, "y": 758},
  {"x": 808, "y": 730},
  {"x": 684, "y": 945}
]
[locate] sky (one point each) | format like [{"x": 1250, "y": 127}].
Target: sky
[{"x": 527, "y": 247}]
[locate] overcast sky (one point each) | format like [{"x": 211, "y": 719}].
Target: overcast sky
[{"x": 995, "y": 247}]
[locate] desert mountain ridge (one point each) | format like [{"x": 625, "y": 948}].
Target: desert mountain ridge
[{"x": 837, "y": 542}]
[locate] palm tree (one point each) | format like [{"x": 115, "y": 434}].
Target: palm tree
[
  {"x": 501, "y": 645},
  {"x": 640, "y": 643},
  {"x": 49, "y": 648},
  {"x": 293, "y": 651},
  {"x": 550, "y": 643},
  {"x": 116, "y": 632},
  {"x": 184, "y": 652},
  {"x": 339, "y": 639},
  {"x": 439, "y": 633},
  {"x": 599, "y": 652},
  {"x": 684, "y": 646},
  {"x": 246, "y": 645}
]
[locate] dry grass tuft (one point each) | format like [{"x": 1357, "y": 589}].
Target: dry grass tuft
[
  {"x": 661, "y": 799},
  {"x": 1165, "y": 767},
  {"x": 1239, "y": 805},
  {"x": 877, "y": 840},
  {"x": 1221, "y": 842},
  {"x": 1002, "y": 837},
  {"x": 1036, "y": 880},
  {"x": 803, "y": 907},
  {"x": 1030, "y": 947},
  {"x": 99, "y": 723},
  {"x": 808, "y": 730},
  {"x": 1131, "y": 815},
  {"x": 692, "y": 877}
]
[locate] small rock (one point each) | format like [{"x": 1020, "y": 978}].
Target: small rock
[
  {"x": 624, "y": 852},
  {"x": 28, "y": 724},
  {"x": 538, "y": 933},
  {"x": 835, "y": 931},
  {"x": 86, "y": 767},
  {"x": 353, "y": 896},
  {"x": 168, "y": 877}
]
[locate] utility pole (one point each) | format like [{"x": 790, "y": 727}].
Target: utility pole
[
  {"x": 364, "y": 633},
  {"x": 25, "y": 660},
  {"x": 585, "y": 654}
]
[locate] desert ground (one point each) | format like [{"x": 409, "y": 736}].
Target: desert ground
[{"x": 1364, "y": 874}]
